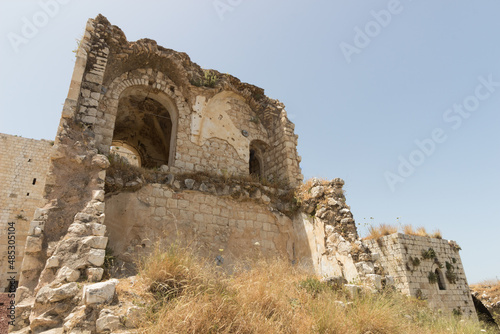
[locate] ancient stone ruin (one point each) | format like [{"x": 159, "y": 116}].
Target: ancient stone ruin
[{"x": 151, "y": 147}]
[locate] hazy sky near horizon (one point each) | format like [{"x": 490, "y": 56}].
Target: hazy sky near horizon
[{"x": 401, "y": 99}]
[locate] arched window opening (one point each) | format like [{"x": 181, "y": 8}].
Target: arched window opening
[
  {"x": 145, "y": 122},
  {"x": 440, "y": 279},
  {"x": 254, "y": 164},
  {"x": 127, "y": 153}
]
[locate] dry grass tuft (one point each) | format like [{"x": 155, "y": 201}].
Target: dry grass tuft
[
  {"x": 304, "y": 190},
  {"x": 271, "y": 297},
  {"x": 375, "y": 232},
  {"x": 421, "y": 232},
  {"x": 436, "y": 234}
]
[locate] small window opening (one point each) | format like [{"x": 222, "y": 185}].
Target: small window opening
[
  {"x": 34, "y": 181},
  {"x": 254, "y": 164},
  {"x": 29, "y": 160},
  {"x": 440, "y": 279},
  {"x": 27, "y": 194}
]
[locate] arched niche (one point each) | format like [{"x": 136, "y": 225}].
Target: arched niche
[
  {"x": 256, "y": 163},
  {"x": 127, "y": 152},
  {"x": 147, "y": 121},
  {"x": 440, "y": 279}
]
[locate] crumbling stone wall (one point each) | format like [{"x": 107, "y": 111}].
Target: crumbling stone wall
[
  {"x": 23, "y": 167},
  {"x": 427, "y": 268},
  {"x": 213, "y": 124},
  {"x": 214, "y": 225},
  {"x": 179, "y": 123}
]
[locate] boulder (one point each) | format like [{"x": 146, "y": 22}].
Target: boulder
[
  {"x": 68, "y": 274},
  {"x": 317, "y": 191},
  {"x": 96, "y": 257},
  {"x": 96, "y": 242},
  {"x": 375, "y": 281},
  {"x": 107, "y": 322},
  {"x": 99, "y": 293},
  {"x": 47, "y": 294}
]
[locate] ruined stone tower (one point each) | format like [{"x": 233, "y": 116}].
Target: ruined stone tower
[{"x": 199, "y": 158}]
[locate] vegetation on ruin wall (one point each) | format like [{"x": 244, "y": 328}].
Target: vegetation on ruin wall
[
  {"x": 242, "y": 188},
  {"x": 376, "y": 232},
  {"x": 186, "y": 294}
]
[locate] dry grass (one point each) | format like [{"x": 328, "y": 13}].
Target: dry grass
[
  {"x": 272, "y": 297},
  {"x": 375, "y": 232},
  {"x": 304, "y": 190}
]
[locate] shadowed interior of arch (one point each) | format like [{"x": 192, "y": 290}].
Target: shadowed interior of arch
[{"x": 145, "y": 124}]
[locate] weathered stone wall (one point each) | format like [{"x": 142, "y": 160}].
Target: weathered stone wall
[
  {"x": 211, "y": 224},
  {"x": 412, "y": 259},
  {"x": 212, "y": 126},
  {"x": 23, "y": 167}
]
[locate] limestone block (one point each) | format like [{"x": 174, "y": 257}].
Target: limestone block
[
  {"x": 94, "y": 274},
  {"x": 99, "y": 293},
  {"x": 98, "y": 229},
  {"x": 33, "y": 244},
  {"x": 47, "y": 294},
  {"x": 52, "y": 262},
  {"x": 96, "y": 242},
  {"x": 96, "y": 257},
  {"x": 375, "y": 281},
  {"x": 107, "y": 323},
  {"x": 317, "y": 191},
  {"x": 365, "y": 268},
  {"x": 95, "y": 207},
  {"x": 68, "y": 274},
  {"x": 77, "y": 229}
]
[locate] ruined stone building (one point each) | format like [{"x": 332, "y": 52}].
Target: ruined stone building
[{"x": 216, "y": 169}]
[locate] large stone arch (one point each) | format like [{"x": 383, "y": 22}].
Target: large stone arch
[{"x": 147, "y": 83}]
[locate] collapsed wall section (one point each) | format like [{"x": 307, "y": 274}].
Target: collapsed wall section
[
  {"x": 427, "y": 268},
  {"x": 23, "y": 167}
]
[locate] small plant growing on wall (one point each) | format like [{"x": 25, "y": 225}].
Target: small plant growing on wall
[
  {"x": 21, "y": 217},
  {"x": 209, "y": 80},
  {"x": 457, "y": 312},
  {"x": 428, "y": 254},
  {"x": 255, "y": 119},
  {"x": 432, "y": 277},
  {"x": 450, "y": 273},
  {"x": 415, "y": 261}
]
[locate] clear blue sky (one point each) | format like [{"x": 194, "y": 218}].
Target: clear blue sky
[{"x": 361, "y": 87}]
